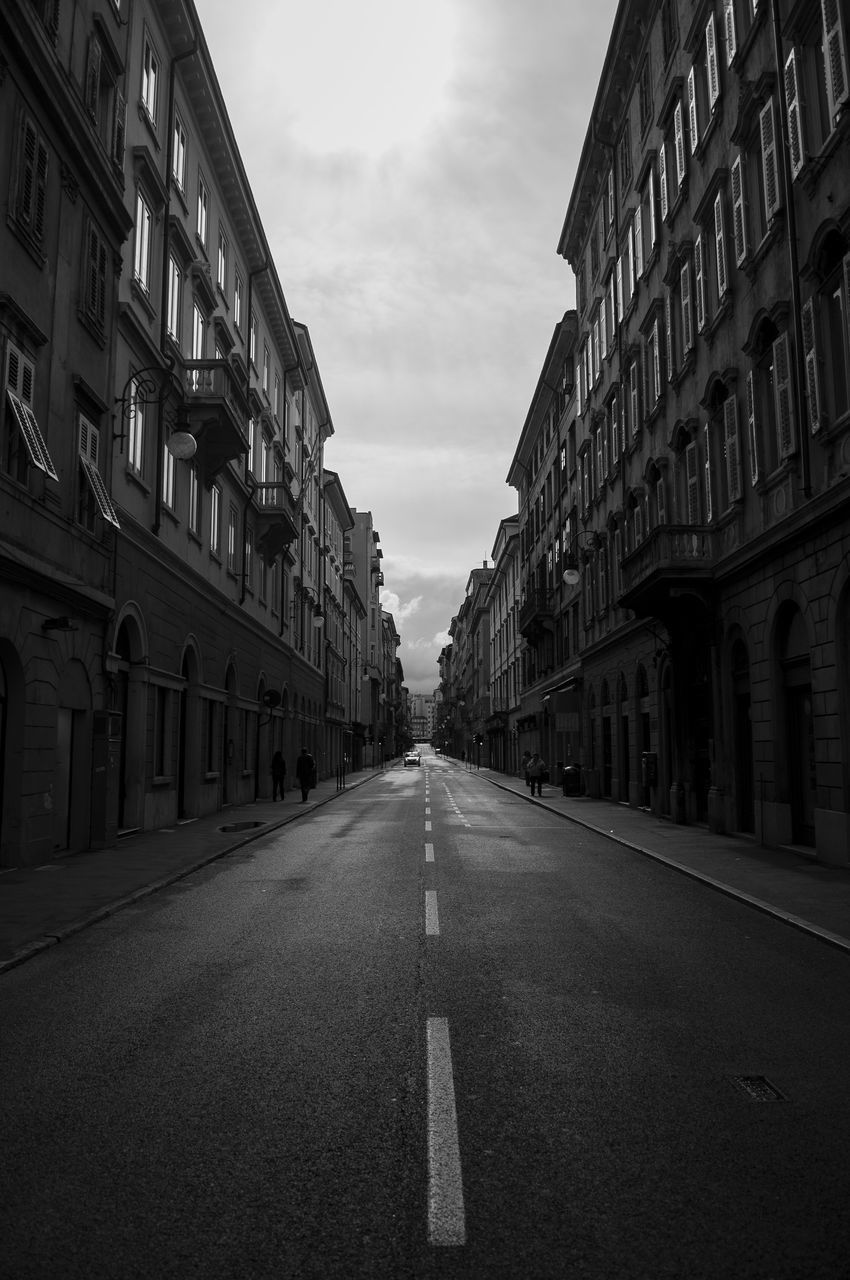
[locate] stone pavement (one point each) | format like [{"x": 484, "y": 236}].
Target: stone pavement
[{"x": 40, "y": 906}]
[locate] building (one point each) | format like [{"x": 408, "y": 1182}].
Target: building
[
  {"x": 709, "y": 229},
  {"x": 505, "y": 661},
  {"x": 367, "y": 556},
  {"x": 175, "y": 602}
]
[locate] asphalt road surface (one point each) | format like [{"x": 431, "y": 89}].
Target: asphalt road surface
[{"x": 428, "y": 1030}]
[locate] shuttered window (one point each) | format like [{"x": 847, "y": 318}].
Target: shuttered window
[{"x": 732, "y": 449}]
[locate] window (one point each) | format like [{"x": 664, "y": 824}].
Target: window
[
  {"x": 150, "y": 81},
  {"x": 142, "y": 254},
  {"x": 25, "y": 445},
  {"x": 720, "y": 261},
  {"x": 732, "y": 449},
  {"x": 232, "y": 529},
  {"x": 669, "y": 29},
  {"x": 194, "y": 499},
  {"x": 162, "y": 731},
  {"x": 215, "y": 520},
  {"x": 178, "y": 161},
  {"x": 252, "y": 340},
  {"x": 30, "y": 198},
  {"x": 202, "y": 223},
  {"x": 92, "y": 87},
  {"x": 645, "y": 95},
  {"x": 223, "y": 253},
  {"x": 238, "y": 295},
  {"x": 136, "y": 430},
  {"x": 93, "y": 496},
  {"x": 167, "y": 477},
  {"x": 826, "y": 337},
  {"x": 175, "y": 288},
  {"x": 266, "y": 368},
  {"x": 817, "y": 82},
  {"x": 94, "y": 299},
  {"x": 700, "y": 297},
  {"x": 276, "y": 401},
  {"x": 625, "y": 159},
  {"x": 199, "y": 332},
  {"x": 249, "y": 559}
]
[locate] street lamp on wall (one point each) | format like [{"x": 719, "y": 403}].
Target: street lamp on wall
[{"x": 572, "y": 569}]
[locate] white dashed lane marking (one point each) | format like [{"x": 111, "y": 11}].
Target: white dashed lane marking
[
  {"x": 446, "y": 1213},
  {"x": 432, "y": 921},
  {"x": 429, "y": 853}
]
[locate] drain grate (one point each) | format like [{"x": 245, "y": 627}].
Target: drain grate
[{"x": 759, "y": 1089}]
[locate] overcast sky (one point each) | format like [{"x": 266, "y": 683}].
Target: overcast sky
[{"x": 412, "y": 163}]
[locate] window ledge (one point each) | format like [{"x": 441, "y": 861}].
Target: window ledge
[
  {"x": 142, "y": 296},
  {"x": 134, "y": 478}
]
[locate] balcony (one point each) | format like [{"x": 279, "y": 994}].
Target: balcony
[
  {"x": 275, "y": 519},
  {"x": 672, "y": 561},
  {"x": 535, "y": 613},
  {"x": 216, "y": 411}
]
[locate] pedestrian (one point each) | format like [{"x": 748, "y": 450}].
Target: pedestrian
[
  {"x": 536, "y": 770},
  {"x": 305, "y": 772},
  {"x": 526, "y": 757},
  {"x": 278, "y": 775}
]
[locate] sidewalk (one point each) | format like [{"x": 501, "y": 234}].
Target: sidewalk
[
  {"x": 40, "y": 906},
  {"x": 801, "y": 892}
]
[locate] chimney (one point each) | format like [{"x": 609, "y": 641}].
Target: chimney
[{"x": 485, "y": 564}]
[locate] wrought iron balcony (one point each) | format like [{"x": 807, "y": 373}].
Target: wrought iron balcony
[
  {"x": 215, "y": 410},
  {"x": 276, "y": 519},
  {"x": 535, "y": 612},
  {"x": 672, "y": 559}
]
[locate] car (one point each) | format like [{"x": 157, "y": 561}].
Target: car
[{"x": 411, "y": 757}]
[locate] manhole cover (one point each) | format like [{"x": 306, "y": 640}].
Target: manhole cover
[{"x": 241, "y": 826}]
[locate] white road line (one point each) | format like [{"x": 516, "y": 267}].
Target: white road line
[
  {"x": 446, "y": 1214},
  {"x": 432, "y": 922},
  {"x": 427, "y": 826},
  {"x": 429, "y": 853},
  {"x": 427, "y": 809}
]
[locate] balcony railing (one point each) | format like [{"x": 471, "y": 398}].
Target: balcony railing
[
  {"x": 276, "y": 519},
  {"x": 216, "y": 412},
  {"x": 670, "y": 556},
  {"x": 534, "y": 611}
]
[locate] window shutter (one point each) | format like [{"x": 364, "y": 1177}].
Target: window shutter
[
  {"x": 603, "y": 328},
  {"x": 662, "y": 180},
  {"x": 769, "y": 160},
  {"x": 679, "y": 137},
  {"x": 711, "y": 68},
  {"x": 638, "y": 523},
  {"x": 600, "y": 463},
  {"x": 611, "y": 197},
  {"x": 620, "y": 287},
  {"x": 731, "y": 34},
  {"x": 810, "y": 352},
  {"x": 685, "y": 297},
  {"x": 720, "y": 241},
  {"x": 733, "y": 452},
  {"x": 846, "y": 265},
  {"x": 668, "y": 334},
  {"x": 26, "y": 175},
  {"x": 709, "y": 488},
  {"x": 794, "y": 108},
  {"x": 693, "y": 483},
  {"x": 638, "y": 240},
  {"x": 836, "y": 56},
  {"x": 634, "y": 396},
  {"x": 699, "y": 283},
  {"x": 653, "y": 222},
  {"x": 40, "y": 195},
  {"x": 656, "y": 362},
  {"x": 693, "y": 124},
  {"x": 661, "y": 500},
  {"x": 119, "y": 128},
  {"x": 739, "y": 212},
  {"x": 752, "y": 427},
  {"x": 782, "y": 394},
  {"x": 93, "y": 78}
]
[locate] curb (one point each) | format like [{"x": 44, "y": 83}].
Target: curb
[
  {"x": 38, "y": 945},
  {"x": 767, "y": 908}
]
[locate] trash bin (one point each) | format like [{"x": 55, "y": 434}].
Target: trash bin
[{"x": 571, "y": 781}]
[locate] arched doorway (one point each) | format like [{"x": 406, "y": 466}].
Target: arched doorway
[
  {"x": 666, "y": 735},
  {"x": 607, "y": 742},
  {"x": 624, "y": 751},
  {"x": 743, "y": 738},
  {"x": 190, "y": 737},
  {"x": 229, "y": 738},
  {"x": 801, "y": 766},
  {"x": 644, "y": 729}
]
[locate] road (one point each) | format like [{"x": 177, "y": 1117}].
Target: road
[{"x": 429, "y": 1030}]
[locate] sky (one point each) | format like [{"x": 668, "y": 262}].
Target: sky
[{"x": 412, "y": 164}]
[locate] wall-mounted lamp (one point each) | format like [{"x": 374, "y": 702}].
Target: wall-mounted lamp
[
  {"x": 572, "y": 570},
  {"x": 318, "y": 616}
]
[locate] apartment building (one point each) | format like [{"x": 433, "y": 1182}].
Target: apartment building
[
  {"x": 367, "y": 556},
  {"x": 174, "y": 603},
  {"x": 708, "y": 229},
  {"x": 505, "y": 682}
]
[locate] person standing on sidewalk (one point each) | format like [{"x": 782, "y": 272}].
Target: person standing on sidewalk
[
  {"x": 305, "y": 772},
  {"x": 526, "y": 760},
  {"x": 278, "y": 775},
  {"x": 536, "y": 770}
]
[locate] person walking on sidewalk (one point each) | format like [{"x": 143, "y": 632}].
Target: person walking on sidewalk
[
  {"x": 526, "y": 760},
  {"x": 305, "y": 772},
  {"x": 536, "y": 770},
  {"x": 278, "y": 775}
]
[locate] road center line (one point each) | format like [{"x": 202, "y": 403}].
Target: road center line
[
  {"x": 429, "y": 853},
  {"x": 432, "y": 922},
  {"x": 446, "y": 1215},
  {"x": 427, "y": 826}
]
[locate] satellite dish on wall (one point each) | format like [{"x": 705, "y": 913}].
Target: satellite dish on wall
[
  {"x": 182, "y": 444},
  {"x": 271, "y": 698}
]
